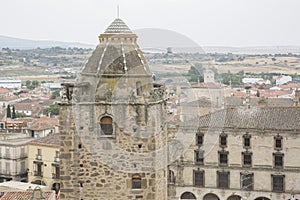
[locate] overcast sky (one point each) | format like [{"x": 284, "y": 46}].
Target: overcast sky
[{"x": 208, "y": 22}]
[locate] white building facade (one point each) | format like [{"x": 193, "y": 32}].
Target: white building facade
[{"x": 241, "y": 153}]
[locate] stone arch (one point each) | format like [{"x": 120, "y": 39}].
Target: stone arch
[
  {"x": 56, "y": 187},
  {"x": 38, "y": 182},
  {"x": 262, "y": 198},
  {"x": 188, "y": 195},
  {"x": 211, "y": 196},
  {"x": 234, "y": 197}
]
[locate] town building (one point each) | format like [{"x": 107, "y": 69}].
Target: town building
[
  {"x": 283, "y": 80},
  {"x": 44, "y": 162},
  {"x": 13, "y": 157},
  {"x": 241, "y": 153},
  {"x": 10, "y": 83},
  {"x": 112, "y": 125}
]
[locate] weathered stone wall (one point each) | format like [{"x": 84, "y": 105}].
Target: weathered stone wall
[{"x": 96, "y": 167}]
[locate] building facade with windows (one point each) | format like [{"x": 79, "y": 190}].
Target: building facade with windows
[
  {"x": 112, "y": 125},
  {"x": 241, "y": 153},
  {"x": 13, "y": 158},
  {"x": 44, "y": 162}
]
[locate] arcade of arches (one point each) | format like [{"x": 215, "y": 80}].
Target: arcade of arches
[{"x": 211, "y": 196}]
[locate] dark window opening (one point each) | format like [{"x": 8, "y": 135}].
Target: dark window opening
[
  {"x": 247, "y": 141},
  {"x": 139, "y": 88},
  {"x": 136, "y": 182},
  {"x": 223, "y": 140},
  {"x": 223, "y": 179},
  {"x": 171, "y": 177},
  {"x": 38, "y": 169},
  {"x": 223, "y": 158},
  {"x": 199, "y": 156},
  {"x": 278, "y": 183},
  {"x": 106, "y": 126},
  {"x": 199, "y": 178},
  {"x": 278, "y": 160},
  {"x": 247, "y": 159},
  {"x": 247, "y": 181},
  {"x": 199, "y": 139},
  {"x": 278, "y": 142}
]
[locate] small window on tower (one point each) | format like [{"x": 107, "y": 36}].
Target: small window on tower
[
  {"x": 106, "y": 126},
  {"x": 223, "y": 140},
  {"x": 136, "y": 182},
  {"x": 247, "y": 141},
  {"x": 278, "y": 142},
  {"x": 199, "y": 139},
  {"x": 139, "y": 88}
]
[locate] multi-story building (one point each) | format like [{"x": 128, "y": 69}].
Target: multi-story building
[
  {"x": 43, "y": 162},
  {"x": 13, "y": 158},
  {"x": 241, "y": 153}
]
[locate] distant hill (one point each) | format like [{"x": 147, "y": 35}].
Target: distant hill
[
  {"x": 253, "y": 49},
  {"x": 153, "y": 40},
  {"x": 17, "y": 43}
]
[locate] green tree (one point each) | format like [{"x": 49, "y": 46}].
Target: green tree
[
  {"x": 28, "y": 83},
  {"x": 53, "y": 110},
  {"x": 196, "y": 73},
  {"x": 8, "y": 112},
  {"x": 14, "y": 112},
  {"x": 55, "y": 94}
]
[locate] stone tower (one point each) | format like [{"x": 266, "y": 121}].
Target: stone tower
[{"x": 113, "y": 129}]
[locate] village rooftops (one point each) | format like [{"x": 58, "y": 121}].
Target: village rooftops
[
  {"x": 264, "y": 118},
  {"x": 27, "y": 195},
  {"x": 52, "y": 141}
]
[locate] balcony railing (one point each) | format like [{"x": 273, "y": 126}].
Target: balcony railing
[
  {"x": 38, "y": 173},
  {"x": 38, "y": 157},
  {"x": 55, "y": 176},
  {"x": 56, "y": 159}
]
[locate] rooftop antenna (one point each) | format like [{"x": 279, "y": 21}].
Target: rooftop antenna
[{"x": 118, "y": 11}]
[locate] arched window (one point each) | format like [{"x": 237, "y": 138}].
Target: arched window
[
  {"x": 188, "y": 195},
  {"x": 138, "y": 88},
  {"x": 171, "y": 177},
  {"x": 211, "y": 196},
  {"x": 39, "y": 182},
  {"x": 56, "y": 187},
  {"x": 106, "y": 126},
  {"x": 136, "y": 182}
]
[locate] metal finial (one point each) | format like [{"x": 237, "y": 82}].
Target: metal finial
[{"x": 118, "y": 11}]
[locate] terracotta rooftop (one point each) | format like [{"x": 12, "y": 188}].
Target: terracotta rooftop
[
  {"x": 254, "y": 101},
  {"x": 4, "y": 91},
  {"x": 52, "y": 141},
  {"x": 257, "y": 118},
  {"x": 43, "y": 123},
  {"x": 27, "y": 195}
]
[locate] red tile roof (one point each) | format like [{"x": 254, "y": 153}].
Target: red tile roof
[
  {"x": 27, "y": 195},
  {"x": 44, "y": 123},
  {"x": 4, "y": 91},
  {"x": 52, "y": 140}
]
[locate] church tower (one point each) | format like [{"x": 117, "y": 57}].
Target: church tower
[{"x": 112, "y": 125}]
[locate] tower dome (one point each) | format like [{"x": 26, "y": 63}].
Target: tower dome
[{"x": 117, "y": 63}]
